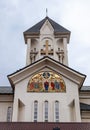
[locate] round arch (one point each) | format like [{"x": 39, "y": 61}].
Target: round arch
[{"x": 46, "y": 82}]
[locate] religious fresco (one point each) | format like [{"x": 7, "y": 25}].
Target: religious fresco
[{"x": 46, "y": 82}]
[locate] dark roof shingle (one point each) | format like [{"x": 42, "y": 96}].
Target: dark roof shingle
[
  {"x": 57, "y": 28},
  {"x": 45, "y": 57},
  {"x": 85, "y": 88},
  {"x": 6, "y": 90},
  {"x": 84, "y": 107}
]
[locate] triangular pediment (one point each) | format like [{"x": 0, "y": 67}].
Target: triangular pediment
[
  {"x": 47, "y": 28},
  {"x": 47, "y": 64}
]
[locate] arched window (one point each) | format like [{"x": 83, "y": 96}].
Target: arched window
[
  {"x": 46, "y": 111},
  {"x": 9, "y": 114},
  {"x": 35, "y": 111},
  {"x": 56, "y": 111},
  {"x": 46, "y": 82}
]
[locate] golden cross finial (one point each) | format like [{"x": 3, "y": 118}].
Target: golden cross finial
[
  {"x": 46, "y": 12},
  {"x": 46, "y": 50}
]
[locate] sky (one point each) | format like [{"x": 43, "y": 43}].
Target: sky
[{"x": 16, "y": 16}]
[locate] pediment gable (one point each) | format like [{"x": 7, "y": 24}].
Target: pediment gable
[
  {"x": 47, "y": 64},
  {"x": 47, "y": 28},
  {"x": 46, "y": 81}
]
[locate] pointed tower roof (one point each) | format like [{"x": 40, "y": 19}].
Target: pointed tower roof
[{"x": 57, "y": 28}]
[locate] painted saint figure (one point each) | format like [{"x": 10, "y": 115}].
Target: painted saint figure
[
  {"x": 46, "y": 82},
  {"x": 62, "y": 85},
  {"x": 57, "y": 86},
  {"x": 46, "y": 85},
  {"x": 52, "y": 85},
  {"x": 36, "y": 85},
  {"x": 32, "y": 85}
]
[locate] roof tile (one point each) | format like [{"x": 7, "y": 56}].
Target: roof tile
[
  {"x": 84, "y": 107},
  {"x": 57, "y": 28},
  {"x": 43, "y": 126},
  {"x": 6, "y": 90}
]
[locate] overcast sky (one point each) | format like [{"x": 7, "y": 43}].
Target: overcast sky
[{"x": 16, "y": 16}]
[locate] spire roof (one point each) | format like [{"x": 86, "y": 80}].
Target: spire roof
[{"x": 57, "y": 28}]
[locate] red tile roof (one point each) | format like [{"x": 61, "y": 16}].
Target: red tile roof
[{"x": 43, "y": 126}]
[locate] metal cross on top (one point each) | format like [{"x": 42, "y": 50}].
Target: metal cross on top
[
  {"x": 47, "y": 47},
  {"x": 46, "y": 12},
  {"x": 47, "y": 51}
]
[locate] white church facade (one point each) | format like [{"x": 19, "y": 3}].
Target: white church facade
[{"x": 46, "y": 89}]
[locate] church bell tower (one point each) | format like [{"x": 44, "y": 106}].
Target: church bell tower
[
  {"x": 46, "y": 89},
  {"x": 47, "y": 38}
]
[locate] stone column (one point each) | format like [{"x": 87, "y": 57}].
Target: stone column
[
  {"x": 65, "y": 51},
  {"x": 55, "y": 56},
  {"x": 28, "y": 51},
  {"x": 77, "y": 111},
  {"x": 15, "y": 111},
  {"x": 39, "y": 48}
]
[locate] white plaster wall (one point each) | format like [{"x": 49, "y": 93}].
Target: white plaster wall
[
  {"x": 7, "y": 98},
  {"x": 28, "y": 51},
  {"x": 86, "y": 120},
  {"x": 55, "y": 49},
  {"x": 85, "y": 116},
  {"x": 21, "y": 114},
  {"x": 65, "y": 51},
  {"x": 5, "y": 102},
  {"x": 85, "y": 100},
  {"x": 72, "y": 95},
  {"x": 64, "y": 99},
  {"x": 85, "y": 97}
]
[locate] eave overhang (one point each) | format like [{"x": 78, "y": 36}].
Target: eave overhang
[{"x": 51, "y": 64}]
